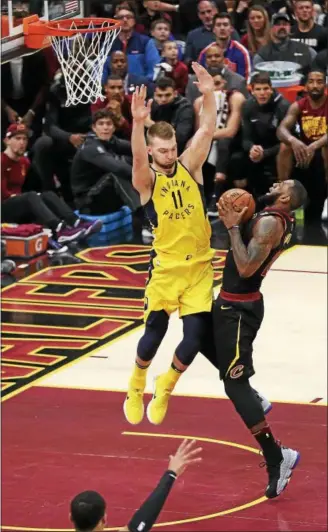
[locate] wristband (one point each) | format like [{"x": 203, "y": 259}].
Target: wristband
[{"x": 233, "y": 227}]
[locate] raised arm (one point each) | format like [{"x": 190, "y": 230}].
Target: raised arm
[
  {"x": 141, "y": 173},
  {"x": 195, "y": 156},
  {"x": 145, "y": 517},
  {"x": 267, "y": 234}
]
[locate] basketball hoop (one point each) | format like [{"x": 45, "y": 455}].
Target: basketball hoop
[{"x": 82, "y": 46}]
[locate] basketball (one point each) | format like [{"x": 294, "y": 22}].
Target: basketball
[{"x": 239, "y": 199}]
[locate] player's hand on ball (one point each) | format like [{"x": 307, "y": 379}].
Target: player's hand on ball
[
  {"x": 186, "y": 454},
  {"x": 228, "y": 215}
]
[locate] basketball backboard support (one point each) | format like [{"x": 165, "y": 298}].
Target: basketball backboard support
[{"x": 12, "y": 13}]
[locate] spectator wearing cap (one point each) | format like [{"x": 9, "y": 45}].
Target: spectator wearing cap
[
  {"x": 65, "y": 130},
  {"x": 214, "y": 58},
  {"x": 141, "y": 51},
  {"x": 305, "y": 29},
  {"x": 172, "y": 67},
  {"x": 118, "y": 64},
  {"x": 236, "y": 55},
  {"x": 118, "y": 104},
  {"x": 169, "y": 106},
  {"x": 24, "y": 83},
  {"x": 282, "y": 48},
  {"x": 20, "y": 207}
]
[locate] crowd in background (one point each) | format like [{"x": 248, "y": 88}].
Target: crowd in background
[{"x": 58, "y": 159}]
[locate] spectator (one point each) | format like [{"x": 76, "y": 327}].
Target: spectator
[
  {"x": 305, "y": 29},
  {"x": 310, "y": 146},
  {"x": 24, "y": 84},
  {"x": 189, "y": 13},
  {"x": 100, "y": 175},
  {"x": 282, "y": 48},
  {"x": 225, "y": 139},
  {"x": 261, "y": 116},
  {"x": 170, "y": 107},
  {"x": 172, "y": 67},
  {"x": 214, "y": 58},
  {"x": 258, "y": 29},
  {"x": 118, "y": 104},
  {"x": 160, "y": 31},
  {"x": 140, "y": 49},
  {"x": 46, "y": 209},
  {"x": 236, "y": 55},
  {"x": 118, "y": 64},
  {"x": 199, "y": 38},
  {"x": 65, "y": 129}
]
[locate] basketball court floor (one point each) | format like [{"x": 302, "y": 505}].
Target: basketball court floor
[{"x": 69, "y": 336}]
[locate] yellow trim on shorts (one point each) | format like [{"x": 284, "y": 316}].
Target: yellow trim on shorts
[{"x": 237, "y": 348}]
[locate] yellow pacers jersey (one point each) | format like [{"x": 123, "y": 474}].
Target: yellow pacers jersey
[{"x": 177, "y": 213}]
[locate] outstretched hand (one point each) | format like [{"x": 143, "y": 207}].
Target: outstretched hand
[
  {"x": 185, "y": 455},
  {"x": 139, "y": 108},
  {"x": 205, "y": 81}
]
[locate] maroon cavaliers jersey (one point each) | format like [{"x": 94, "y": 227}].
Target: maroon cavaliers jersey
[
  {"x": 232, "y": 282},
  {"x": 312, "y": 122}
]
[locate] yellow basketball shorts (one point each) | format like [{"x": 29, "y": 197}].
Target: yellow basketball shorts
[{"x": 186, "y": 286}]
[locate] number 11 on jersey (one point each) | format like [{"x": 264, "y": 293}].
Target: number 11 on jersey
[{"x": 177, "y": 199}]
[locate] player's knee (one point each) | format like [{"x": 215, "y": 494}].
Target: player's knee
[
  {"x": 245, "y": 401},
  {"x": 235, "y": 388},
  {"x": 194, "y": 328},
  {"x": 156, "y": 327}
]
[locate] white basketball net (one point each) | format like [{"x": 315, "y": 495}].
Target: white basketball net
[{"x": 82, "y": 59}]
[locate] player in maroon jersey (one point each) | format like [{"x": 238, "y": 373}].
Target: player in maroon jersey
[
  {"x": 304, "y": 130},
  {"x": 238, "y": 313}
]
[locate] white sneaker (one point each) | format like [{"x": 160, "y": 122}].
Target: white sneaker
[{"x": 279, "y": 475}]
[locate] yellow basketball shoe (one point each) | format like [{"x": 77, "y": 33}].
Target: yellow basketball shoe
[
  {"x": 133, "y": 405},
  {"x": 157, "y": 408}
]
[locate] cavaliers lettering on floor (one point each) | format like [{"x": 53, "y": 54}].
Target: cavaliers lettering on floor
[{"x": 62, "y": 313}]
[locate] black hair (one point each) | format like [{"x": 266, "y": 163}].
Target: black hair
[
  {"x": 298, "y": 195},
  {"x": 261, "y": 78},
  {"x": 113, "y": 77},
  {"x": 220, "y": 16},
  {"x": 87, "y": 509},
  {"x": 317, "y": 71},
  {"x": 98, "y": 115},
  {"x": 165, "y": 82}
]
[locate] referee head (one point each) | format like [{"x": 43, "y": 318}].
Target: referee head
[{"x": 88, "y": 512}]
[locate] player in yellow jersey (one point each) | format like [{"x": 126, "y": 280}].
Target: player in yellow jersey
[{"x": 180, "y": 272}]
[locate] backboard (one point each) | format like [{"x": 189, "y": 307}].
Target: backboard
[{"x": 12, "y": 13}]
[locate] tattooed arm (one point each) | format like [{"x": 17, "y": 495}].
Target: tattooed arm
[{"x": 266, "y": 236}]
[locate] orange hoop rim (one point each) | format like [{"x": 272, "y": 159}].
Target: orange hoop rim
[{"x": 61, "y": 28}]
